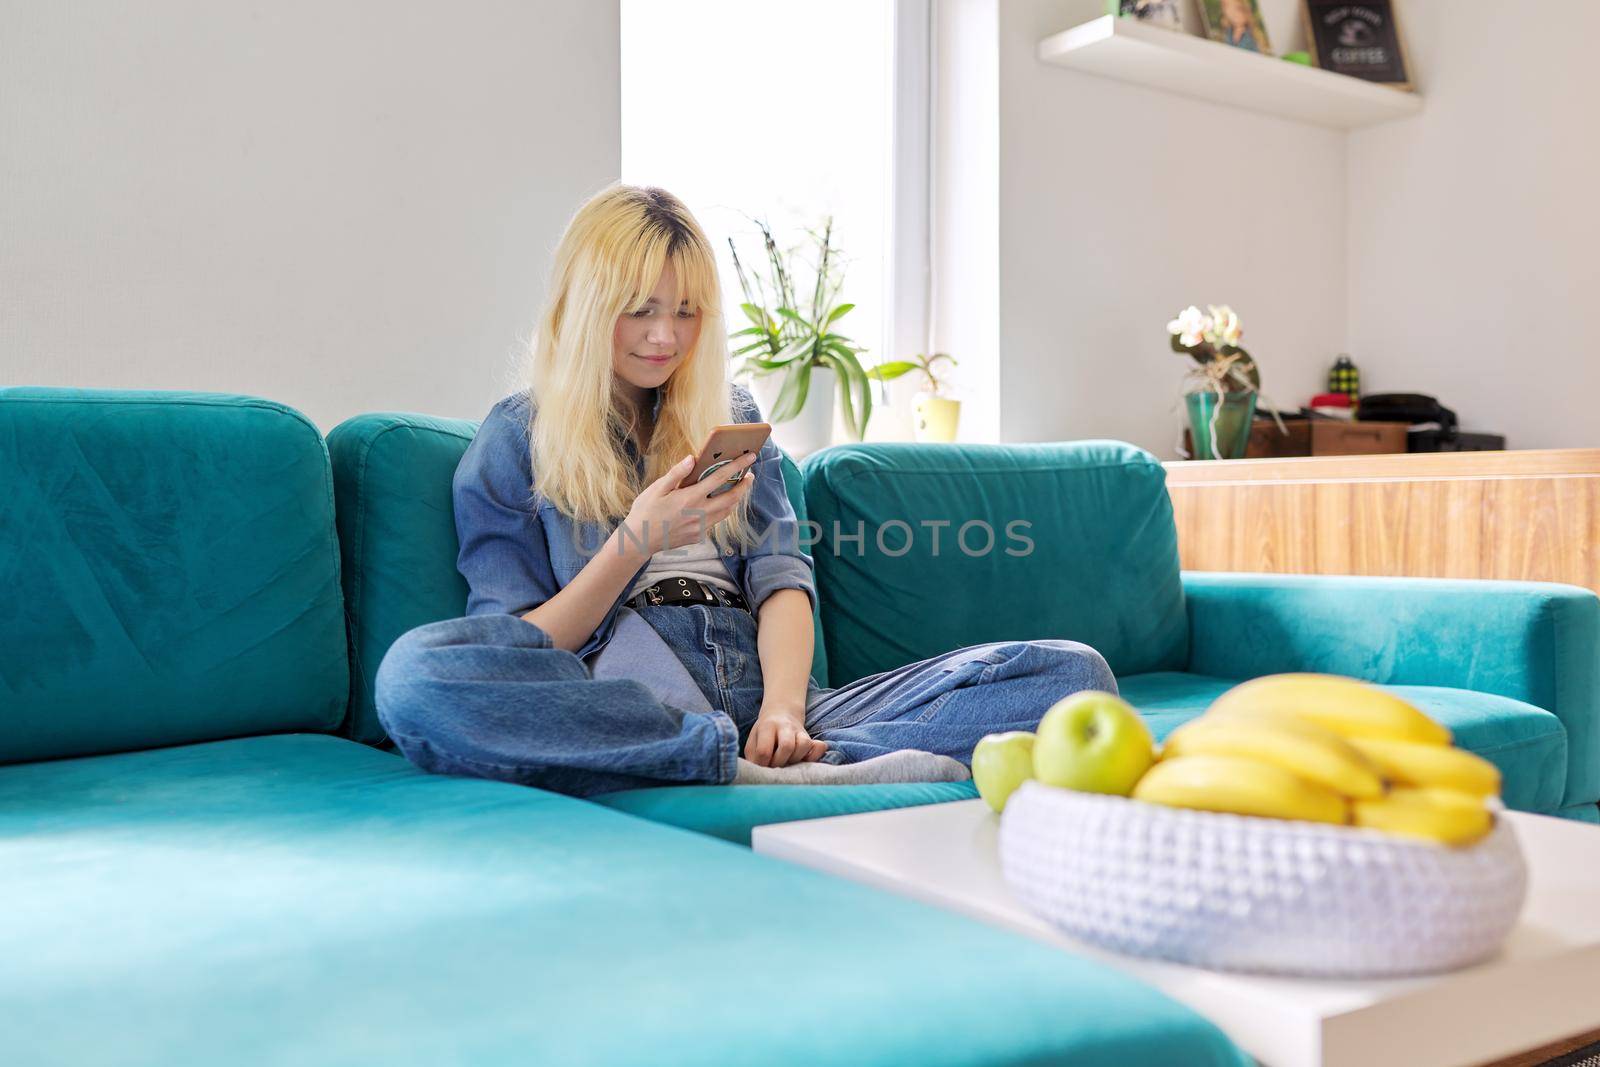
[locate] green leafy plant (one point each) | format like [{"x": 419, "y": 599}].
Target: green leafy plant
[
  {"x": 792, "y": 338},
  {"x": 888, "y": 372}
]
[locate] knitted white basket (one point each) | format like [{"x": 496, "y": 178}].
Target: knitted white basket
[{"x": 1232, "y": 892}]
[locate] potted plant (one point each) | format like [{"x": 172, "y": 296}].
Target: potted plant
[
  {"x": 1220, "y": 391},
  {"x": 796, "y": 362},
  {"x": 937, "y": 416}
]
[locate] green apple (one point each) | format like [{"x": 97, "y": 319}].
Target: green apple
[
  {"x": 1093, "y": 742},
  {"x": 1000, "y": 764}
]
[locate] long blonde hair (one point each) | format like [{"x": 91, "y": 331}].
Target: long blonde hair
[{"x": 608, "y": 262}]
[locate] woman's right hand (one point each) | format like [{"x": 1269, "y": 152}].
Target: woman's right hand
[{"x": 664, "y": 516}]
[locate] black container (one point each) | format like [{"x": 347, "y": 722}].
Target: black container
[{"x": 1440, "y": 441}]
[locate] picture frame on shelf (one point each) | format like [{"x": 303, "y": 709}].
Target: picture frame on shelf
[
  {"x": 1165, "y": 13},
  {"x": 1237, "y": 23},
  {"x": 1361, "y": 40}
]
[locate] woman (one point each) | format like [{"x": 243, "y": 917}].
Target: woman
[{"x": 676, "y": 644}]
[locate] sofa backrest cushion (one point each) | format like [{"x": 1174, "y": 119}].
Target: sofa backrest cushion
[
  {"x": 397, "y": 533},
  {"x": 794, "y": 483},
  {"x": 392, "y": 477},
  {"x": 170, "y": 572},
  {"x": 1083, "y": 547}
]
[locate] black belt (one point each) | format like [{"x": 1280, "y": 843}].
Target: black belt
[{"x": 687, "y": 591}]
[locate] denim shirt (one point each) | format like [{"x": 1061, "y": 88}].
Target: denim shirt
[{"x": 518, "y": 551}]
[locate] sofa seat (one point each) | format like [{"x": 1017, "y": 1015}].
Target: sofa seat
[
  {"x": 731, "y": 812},
  {"x": 307, "y": 899},
  {"x": 1528, "y": 744}
]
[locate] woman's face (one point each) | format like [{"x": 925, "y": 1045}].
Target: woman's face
[
  {"x": 1236, "y": 12},
  {"x": 649, "y": 344}
]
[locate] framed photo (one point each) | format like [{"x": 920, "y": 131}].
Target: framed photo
[
  {"x": 1361, "y": 40},
  {"x": 1236, "y": 22},
  {"x": 1156, "y": 12}
]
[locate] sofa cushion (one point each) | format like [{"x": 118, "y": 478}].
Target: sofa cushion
[
  {"x": 731, "y": 812},
  {"x": 397, "y": 534},
  {"x": 1528, "y": 744},
  {"x": 170, "y": 570},
  {"x": 310, "y": 900},
  {"x": 1537, "y": 642},
  {"x": 1525, "y": 742},
  {"x": 392, "y": 476},
  {"x": 1093, "y": 554}
]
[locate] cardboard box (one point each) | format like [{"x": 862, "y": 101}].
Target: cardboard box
[
  {"x": 1334, "y": 438},
  {"x": 1269, "y": 442}
]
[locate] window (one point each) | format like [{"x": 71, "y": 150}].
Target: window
[{"x": 778, "y": 111}]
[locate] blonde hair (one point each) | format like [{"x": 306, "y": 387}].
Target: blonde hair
[{"x": 607, "y": 263}]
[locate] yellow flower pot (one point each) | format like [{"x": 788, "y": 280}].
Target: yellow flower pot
[{"x": 935, "y": 418}]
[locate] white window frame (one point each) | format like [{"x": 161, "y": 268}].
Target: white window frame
[{"x": 911, "y": 173}]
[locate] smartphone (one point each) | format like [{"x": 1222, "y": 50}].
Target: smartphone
[{"x": 724, "y": 445}]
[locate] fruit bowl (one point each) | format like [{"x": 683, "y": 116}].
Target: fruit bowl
[{"x": 1272, "y": 896}]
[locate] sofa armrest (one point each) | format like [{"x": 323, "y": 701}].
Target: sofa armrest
[{"x": 1536, "y": 642}]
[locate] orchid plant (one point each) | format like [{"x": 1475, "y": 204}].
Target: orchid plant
[
  {"x": 1211, "y": 339},
  {"x": 1223, "y": 368}
]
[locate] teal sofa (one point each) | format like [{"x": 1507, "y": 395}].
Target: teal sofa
[
  {"x": 1084, "y": 547},
  {"x": 199, "y": 865},
  {"x": 207, "y": 855}
]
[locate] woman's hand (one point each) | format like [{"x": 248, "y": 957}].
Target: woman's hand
[
  {"x": 779, "y": 738},
  {"x": 664, "y": 516}
]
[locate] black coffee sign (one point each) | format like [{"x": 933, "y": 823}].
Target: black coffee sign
[{"x": 1361, "y": 40}]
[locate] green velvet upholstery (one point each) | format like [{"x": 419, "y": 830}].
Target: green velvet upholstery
[
  {"x": 392, "y": 475},
  {"x": 1589, "y": 813},
  {"x": 794, "y": 484},
  {"x": 308, "y": 900},
  {"x": 1528, "y": 744},
  {"x": 170, "y": 572},
  {"x": 1534, "y": 642},
  {"x": 1096, "y": 561},
  {"x": 397, "y": 533},
  {"x": 731, "y": 812}
]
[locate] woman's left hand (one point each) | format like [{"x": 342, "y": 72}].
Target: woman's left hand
[{"x": 779, "y": 738}]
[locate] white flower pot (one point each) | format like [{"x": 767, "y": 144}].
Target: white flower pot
[
  {"x": 812, "y": 429},
  {"x": 937, "y": 417}
]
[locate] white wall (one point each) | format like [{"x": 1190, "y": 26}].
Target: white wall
[
  {"x": 1120, "y": 205},
  {"x": 347, "y": 207},
  {"x": 1474, "y": 256}
]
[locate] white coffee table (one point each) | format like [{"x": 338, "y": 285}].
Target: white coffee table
[{"x": 1542, "y": 988}]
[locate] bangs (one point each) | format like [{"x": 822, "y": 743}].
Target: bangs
[
  {"x": 696, "y": 273},
  {"x": 697, "y": 279}
]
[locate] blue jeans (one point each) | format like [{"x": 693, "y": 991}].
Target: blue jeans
[{"x": 490, "y": 696}]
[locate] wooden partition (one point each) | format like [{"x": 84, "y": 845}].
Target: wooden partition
[{"x": 1531, "y": 515}]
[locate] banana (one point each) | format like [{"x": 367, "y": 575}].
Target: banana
[
  {"x": 1408, "y": 763},
  {"x": 1303, "y": 748},
  {"x": 1346, "y": 706},
  {"x": 1444, "y": 815},
  {"x": 1242, "y": 786}
]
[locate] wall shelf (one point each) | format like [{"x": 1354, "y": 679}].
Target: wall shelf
[{"x": 1130, "y": 51}]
